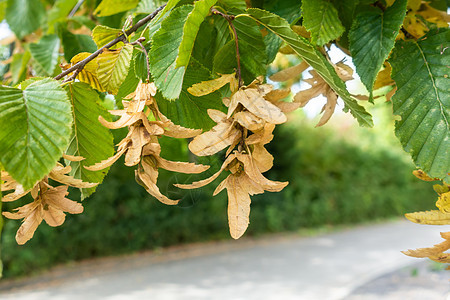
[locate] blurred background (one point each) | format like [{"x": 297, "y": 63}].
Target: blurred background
[{"x": 339, "y": 174}]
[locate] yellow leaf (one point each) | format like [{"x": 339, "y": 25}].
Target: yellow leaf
[
  {"x": 423, "y": 176},
  {"x": 89, "y": 73},
  {"x": 431, "y": 217},
  {"x": 443, "y": 202},
  {"x": 207, "y": 87},
  {"x": 113, "y": 67},
  {"x": 384, "y": 77}
]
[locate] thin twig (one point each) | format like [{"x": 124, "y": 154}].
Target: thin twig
[
  {"x": 77, "y": 6},
  {"x": 230, "y": 19},
  {"x": 139, "y": 42},
  {"x": 122, "y": 38}
]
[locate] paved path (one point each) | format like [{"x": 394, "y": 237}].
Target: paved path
[{"x": 326, "y": 267}]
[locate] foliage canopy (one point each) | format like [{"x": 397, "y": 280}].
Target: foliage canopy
[{"x": 197, "y": 69}]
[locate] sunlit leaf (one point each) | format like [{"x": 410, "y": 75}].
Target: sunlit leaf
[
  {"x": 111, "y": 7},
  {"x": 46, "y": 53},
  {"x": 164, "y": 52},
  {"x": 113, "y": 67},
  {"x": 320, "y": 17},
  {"x": 422, "y": 100},
  {"x": 372, "y": 38},
  {"x": 90, "y": 139},
  {"x": 36, "y": 124}
]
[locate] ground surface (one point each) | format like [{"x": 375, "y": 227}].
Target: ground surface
[{"x": 360, "y": 263}]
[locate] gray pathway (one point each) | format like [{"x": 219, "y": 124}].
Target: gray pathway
[{"x": 323, "y": 267}]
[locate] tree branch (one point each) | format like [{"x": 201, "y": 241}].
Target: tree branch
[{"x": 122, "y": 38}]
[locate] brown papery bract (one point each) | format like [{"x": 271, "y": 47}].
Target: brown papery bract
[
  {"x": 141, "y": 146},
  {"x": 252, "y": 114}
]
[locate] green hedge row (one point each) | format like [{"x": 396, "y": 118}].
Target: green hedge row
[{"x": 331, "y": 182}]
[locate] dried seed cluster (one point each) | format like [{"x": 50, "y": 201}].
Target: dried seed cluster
[
  {"x": 253, "y": 112},
  {"x": 141, "y": 146},
  {"x": 49, "y": 203}
]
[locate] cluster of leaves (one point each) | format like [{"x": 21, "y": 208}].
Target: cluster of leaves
[{"x": 109, "y": 49}]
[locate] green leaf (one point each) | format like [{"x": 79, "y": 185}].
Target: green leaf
[
  {"x": 19, "y": 66},
  {"x": 89, "y": 139},
  {"x": 320, "y": 17},
  {"x": 24, "y": 16},
  {"x": 346, "y": 10},
  {"x": 164, "y": 52},
  {"x": 46, "y": 53},
  {"x": 59, "y": 12},
  {"x": 252, "y": 51},
  {"x": 102, "y": 35},
  {"x": 76, "y": 43},
  {"x": 420, "y": 70},
  {"x": 36, "y": 123},
  {"x": 372, "y": 38},
  {"x": 169, "y": 5},
  {"x": 190, "y": 30},
  {"x": 130, "y": 83},
  {"x": 190, "y": 111},
  {"x": 232, "y": 4},
  {"x": 140, "y": 65},
  {"x": 314, "y": 58},
  {"x": 112, "y": 7},
  {"x": 3, "y": 4},
  {"x": 113, "y": 67},
  {"x": 291, "y": 11}
]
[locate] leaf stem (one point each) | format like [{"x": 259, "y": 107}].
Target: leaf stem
[
  {"x": 230, "y": 19},
  {"x": 122, "y": 38},
  {"x": 139, "y": 42}
]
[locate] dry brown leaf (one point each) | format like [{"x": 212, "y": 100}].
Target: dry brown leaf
[
  {"x": 262, "y": 158},
  {"x": 73, "y": 157},
  {"x": 262, "y": 136},
  {"x": 254, "y": 101},
  {"x": 431, "y": 251},
  {"x": 11, "y": 184},
  {"x": 201, "y": 183},
  {"x": 177, "y": 131},
  {"x": 238, "y": 205},
  {"x": 181, "y": 167},
  {"x": 318, "y": 87},
  {"x": 147, "y": 175},
  {"x": 110, "y": 161},
  {"x": 207, "y": 87},
  {"x": 58, "y": 173},
  {"x": 49, "y": 205},
  {"x": 252, "y": 171},
  {"x": 216, "y": 115},
  {"x": 218, "y": 138},
  {"x": 124, "y": 120},
  {"x": 249, "y": 120},
  {"x": 139, "y": 137},
  {"x": 289, "y": 73}
]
